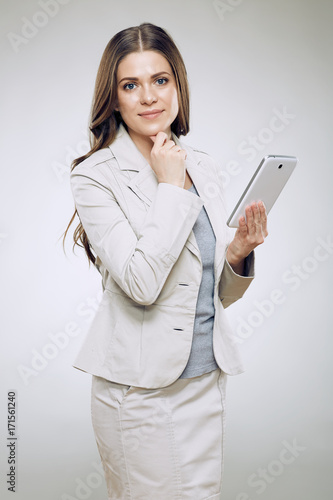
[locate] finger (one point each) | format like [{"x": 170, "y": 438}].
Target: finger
[
  {"x": 170, "y": 145},
  {"x": 263, "y": 218},
  {"x": 261, "y": 205},
  {"x": 256, "y": 216},
  {"x": 255, "y": 224},
  {"x": 251, "y": 226},
  {"x": 242, "y": 226},
  {"x": 178, "y": 149},
  {"x": 160, "y": 139}
]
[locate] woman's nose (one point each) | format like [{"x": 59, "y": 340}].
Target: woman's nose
[{"x": 147, "y": 96}]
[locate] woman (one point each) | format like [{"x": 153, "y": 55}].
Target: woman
[{"x": 153, "y": 221}]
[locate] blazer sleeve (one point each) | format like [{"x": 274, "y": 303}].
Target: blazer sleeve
[
  {"x": 232, "y": 286},
  {"x": 140, "y": 264}
]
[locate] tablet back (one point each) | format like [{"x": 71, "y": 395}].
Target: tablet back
[{"x": 266, "y": 184}]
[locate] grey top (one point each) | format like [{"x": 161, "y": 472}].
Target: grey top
[{"x": 202, "y": 358}]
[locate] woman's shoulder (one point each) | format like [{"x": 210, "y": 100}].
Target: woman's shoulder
[
  {"x": 96, "y": 158},
  {"x": 94, "y": 170}
]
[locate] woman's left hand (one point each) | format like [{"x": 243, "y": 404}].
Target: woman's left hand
[{"x": 251, "y": 232}]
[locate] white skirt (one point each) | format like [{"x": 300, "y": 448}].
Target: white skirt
[{"x": 161, "y": 444}]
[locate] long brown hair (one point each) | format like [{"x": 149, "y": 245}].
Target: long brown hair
[{"x": 104, "y": 119}]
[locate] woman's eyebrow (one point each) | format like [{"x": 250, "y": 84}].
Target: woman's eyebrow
[{"x": 134, "y": 78}]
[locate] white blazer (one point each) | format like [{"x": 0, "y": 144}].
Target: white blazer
[{"x": 147, "y": 254}]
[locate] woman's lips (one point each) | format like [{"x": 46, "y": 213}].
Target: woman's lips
[{"x": 150, "y": 115}]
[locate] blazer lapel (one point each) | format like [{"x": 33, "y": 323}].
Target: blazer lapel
[
  {"x": 209, "y": 191},
  {"x": 141, "y": 177}
]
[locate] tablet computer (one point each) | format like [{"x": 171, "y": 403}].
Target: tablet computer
[{"x": 266, "y": 184}]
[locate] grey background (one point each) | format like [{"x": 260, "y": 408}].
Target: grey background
[{"x": 246, "y": 60}]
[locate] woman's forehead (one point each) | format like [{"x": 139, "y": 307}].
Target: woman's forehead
[{"x": 139, "y": 64}]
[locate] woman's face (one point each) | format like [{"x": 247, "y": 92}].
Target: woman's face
[{"x": 147, "y": 94}]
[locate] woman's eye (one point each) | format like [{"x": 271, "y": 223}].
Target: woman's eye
[
  {"x": 129, "y": 86},
  {"x": 161, "y": 81}
]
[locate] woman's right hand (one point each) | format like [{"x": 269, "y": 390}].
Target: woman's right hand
[{"x": 168, "y": 160}]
